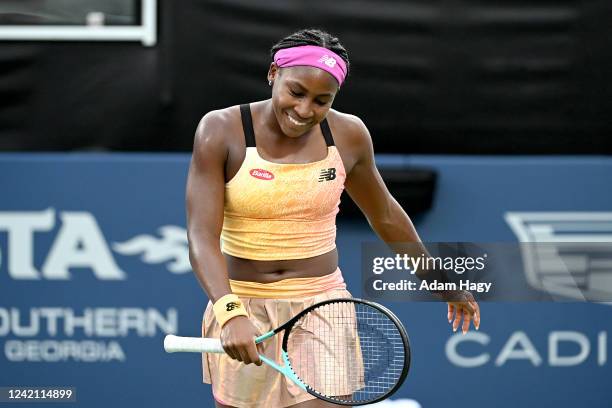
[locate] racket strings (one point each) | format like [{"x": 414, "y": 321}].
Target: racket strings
[{"x": 347, "y": 351}]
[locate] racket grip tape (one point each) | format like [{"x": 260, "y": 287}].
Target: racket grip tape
[{"x": 174, "y": 344}]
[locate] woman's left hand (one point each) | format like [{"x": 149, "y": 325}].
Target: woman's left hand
[{"x": 463, "y": 306}]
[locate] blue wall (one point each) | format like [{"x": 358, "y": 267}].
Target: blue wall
[{"x": 106, "y": 234}]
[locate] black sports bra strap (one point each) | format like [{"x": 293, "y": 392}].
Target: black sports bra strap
[
  {"x": 247, "y": 125},
  {"x": 329, "y": 139}
]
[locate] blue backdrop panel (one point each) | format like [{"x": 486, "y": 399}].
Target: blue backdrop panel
[{"x": 94, "y": 272}]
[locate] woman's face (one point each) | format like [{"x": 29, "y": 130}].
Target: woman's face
[{"x": 301, "y": 97}]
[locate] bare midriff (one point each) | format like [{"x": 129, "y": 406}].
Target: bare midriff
[{"x": 272, "y": 271}]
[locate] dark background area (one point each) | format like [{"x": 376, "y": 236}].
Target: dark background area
[{"x": 442, "y": 77}]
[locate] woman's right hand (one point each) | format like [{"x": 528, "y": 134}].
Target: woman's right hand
[{"x": 238, "y": 340}]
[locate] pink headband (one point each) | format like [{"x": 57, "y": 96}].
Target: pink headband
[{"x": 313, "y": 56}]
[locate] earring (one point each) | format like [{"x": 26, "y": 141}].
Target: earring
[{"x": 270, "y": 82}]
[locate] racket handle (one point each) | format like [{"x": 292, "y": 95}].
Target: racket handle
[{"x": 174, "y": 344}]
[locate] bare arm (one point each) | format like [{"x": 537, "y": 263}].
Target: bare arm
[
  {"x": 205, "y": 201},
  {"x": 205, "y": 195},
  {"x": 388, "y": 219},
  {"x": 367, "y": 188},
  {"x": 385, "y": 215}
]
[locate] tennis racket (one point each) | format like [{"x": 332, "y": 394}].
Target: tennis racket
[{"x": 344, "y": 351}]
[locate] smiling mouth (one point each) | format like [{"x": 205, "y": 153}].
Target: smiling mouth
[{"x": 296, "y": 122}]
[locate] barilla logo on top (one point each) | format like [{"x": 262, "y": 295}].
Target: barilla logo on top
[
  {"x": 327, "y": 60},
  {"x": 261, "y": 174}
]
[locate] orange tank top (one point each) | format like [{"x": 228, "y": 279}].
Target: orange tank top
[{"x": 279, "y": 211}]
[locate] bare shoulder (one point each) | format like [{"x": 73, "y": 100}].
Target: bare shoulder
[
  {"x": 348, "y": 126},
  {"x": 216, "y": 128},
  {"x": 351, "y": 137}
]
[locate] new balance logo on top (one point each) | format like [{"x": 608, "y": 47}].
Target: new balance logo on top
[
  {"x": 327, "y": 174},
  {"x": 231, "y": 306}
]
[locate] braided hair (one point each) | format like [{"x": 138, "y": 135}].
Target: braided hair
[{"x": 312, "y": 36}]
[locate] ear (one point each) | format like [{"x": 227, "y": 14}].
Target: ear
[{"x": 273, "y": 72}]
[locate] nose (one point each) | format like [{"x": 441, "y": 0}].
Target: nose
[{"x": 304, "y": 109}]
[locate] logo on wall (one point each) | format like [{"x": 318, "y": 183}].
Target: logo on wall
[
  {"x": 172, "y": 248},
  {"x": 519, "y": 347},
  {"x": 80, "y": 243},
  {"x": 573, "y": 255},
  {"x": 65, "y": 332},
  {"x": 570, "y": 257}
]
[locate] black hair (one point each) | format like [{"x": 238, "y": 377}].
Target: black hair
[{"x": 312, "y": 36}]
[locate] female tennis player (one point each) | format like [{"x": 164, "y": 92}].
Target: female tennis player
[{"x": 263, "y": 192}]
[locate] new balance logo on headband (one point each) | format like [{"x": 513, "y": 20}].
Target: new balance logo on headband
[
  {"x": 327, "y": 60},
  {"x": 327, "y": 174}
]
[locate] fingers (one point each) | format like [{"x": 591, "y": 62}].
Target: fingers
[
  {"x": 246, "y": 353},
  {"x": 467, "y": 311},
  {"x": 253, "y": 355},
  {"x": 467, "y": 317},
  {"x": 260, "y": 349},
  {"x": 458, "y": 317},
  {"x": 238, "y": 340},
  {"x": 243, "y": 350},
  {"x": 476, "y": 315},
  {"x": 231, "y": 351}
]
